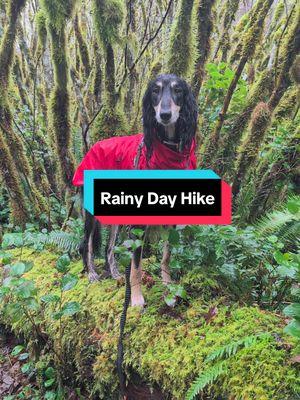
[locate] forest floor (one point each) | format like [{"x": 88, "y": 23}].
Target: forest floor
[{"x": 12, "y": 380}]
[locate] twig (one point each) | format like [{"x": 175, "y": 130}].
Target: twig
[{"x": 129, "y": 71}]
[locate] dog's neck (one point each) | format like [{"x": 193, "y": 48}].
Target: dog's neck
[
  {"x": 167, "y": 135},
  {"x": 170, "y": 132}
]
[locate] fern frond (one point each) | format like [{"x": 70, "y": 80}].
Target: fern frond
[
  {"x": 232, "y": 348},
  {"x": 277, "y": 220},
  {"x": 207, "y": 377},
  {"x": 211, "y": 374}
]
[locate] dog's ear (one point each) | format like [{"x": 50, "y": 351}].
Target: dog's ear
[
  {"x": 148, "y": 121},
  {"x": 188, "y": 117}
]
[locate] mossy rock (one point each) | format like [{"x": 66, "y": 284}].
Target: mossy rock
[{"x": 165, "y": 347}]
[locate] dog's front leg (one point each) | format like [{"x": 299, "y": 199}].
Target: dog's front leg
[
  {"x": 137, "y": 298},
  {"x": 111, "y": 264},
  {"x": 165, "y": 269},
  {"x": 89, "y": 245}
]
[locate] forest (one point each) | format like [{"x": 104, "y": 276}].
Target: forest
[{"x": 73, "y": 72}]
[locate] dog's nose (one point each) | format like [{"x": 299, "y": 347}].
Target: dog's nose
[{"x": 165, "y": 116}]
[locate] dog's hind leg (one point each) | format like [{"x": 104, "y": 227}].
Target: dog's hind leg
[
  {"x": 111, "y": 263},
  {"x": 165, "y": 270}
]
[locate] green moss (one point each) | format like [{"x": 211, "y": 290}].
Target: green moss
[
  {"x": 110, "y": 122},
  {"x": 58, "y": 12},
  {"x": 165, "y": 348},
  {"x": 108, "y": 16},
  {"x": 83, "y": 49},
  {"x": 287, "y": 105},
  {"x": 41, "y": 25},
  {"x": 249, "y": 149},
  {"x": 182, "y": 40},
  {"x": 260, "y": 91}
]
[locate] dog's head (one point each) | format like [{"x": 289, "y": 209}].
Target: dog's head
[{"x": 169, "y": 109}]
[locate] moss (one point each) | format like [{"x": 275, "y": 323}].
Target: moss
[
  {"x": 108, "y": 16},
  {"x": 205, "y": 26},
  {"x": 167, "y": 349},
  {"x": 18, "y": 204},
  {"x": 230, "y": 11},
  {"x": 110, "y": 122},
  {"x": 289, "y": 51},
  {"x": 295, "y": 70},
  {"x": 287, "y": 105},
  {"x": 57, "y": 14},
  {"x": 260, "y": 91},
  {"x": 249, "y": 149},
  {"x": 181, "y": 46},
  {"x": 41, "y": 25},
  {"x": 277, "y": 167},
  {"x": 83, "y": 49}
]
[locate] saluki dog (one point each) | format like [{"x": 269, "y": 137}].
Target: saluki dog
[{"x": 168, "y": 142}]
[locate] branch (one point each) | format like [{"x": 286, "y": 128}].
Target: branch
[
  {"x": 280, "y": 39},
  {"x": 129, "y": 71}
]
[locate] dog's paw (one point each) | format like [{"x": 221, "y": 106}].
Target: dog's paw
[{"x": 138, "y": 301}]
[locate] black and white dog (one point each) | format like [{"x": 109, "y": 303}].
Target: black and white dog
[{"x": 168, "y": 142}]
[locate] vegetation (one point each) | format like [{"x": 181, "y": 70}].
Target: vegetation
[{"x": 74, "y": 72}]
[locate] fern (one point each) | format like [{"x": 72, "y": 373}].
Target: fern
[
  {"x": 232, "y": 348},
  {"x": 209, "y": 376},
  {"x": 279, "y": 221}
]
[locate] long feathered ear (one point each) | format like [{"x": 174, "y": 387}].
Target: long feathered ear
[
  {"x": 148, "y": 121},
  {"x": 187, "y": 123}
]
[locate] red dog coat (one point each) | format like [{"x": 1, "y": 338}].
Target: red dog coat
[{"x": 119, "y": 152}]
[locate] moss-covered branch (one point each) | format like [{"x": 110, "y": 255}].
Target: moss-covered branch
[
  {"x": 204, "y": 25},
  {"x": 250, "y": 41},
  {"x": 57, "y": 14},
  {"x": 182, "y": 41}
]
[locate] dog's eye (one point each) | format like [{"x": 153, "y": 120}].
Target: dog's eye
[
  {"x": 177, "y": 90},
  {"x": 155, "y": 90}
]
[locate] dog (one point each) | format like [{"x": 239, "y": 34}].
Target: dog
[{"x": 170, "y": 116}]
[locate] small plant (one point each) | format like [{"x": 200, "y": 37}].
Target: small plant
[
  {"x": 175, "y": 292},
  {"x": 212, "y": 373}
]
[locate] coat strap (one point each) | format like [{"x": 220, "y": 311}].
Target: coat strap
[{"x": 138, "y": 155}]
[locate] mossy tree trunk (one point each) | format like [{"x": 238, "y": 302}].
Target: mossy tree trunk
[
  {"x": 181, "y": 42},
  {"x": 83, "y": 49},
  {"x": 262, "y": 115},
  {"x": 59, "y": 109},
  {"x": 280, "y": 172},
  {"x": 229, "y": 144},
  {"x": 205, "y": 26},
  {"x": 11, "y": 144},
  {"x": 231, "y": 8},
  {"x": 250, "y": 41},
  {"x": 251, "y": 145}
]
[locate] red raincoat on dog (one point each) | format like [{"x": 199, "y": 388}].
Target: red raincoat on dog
[{"x": 121, "y": 152}]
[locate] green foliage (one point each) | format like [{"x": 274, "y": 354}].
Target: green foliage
[
  {"x": 282, "y": 222},
  {"x": 219, "y": 77},
  {"x": 167, "y": 349},
  {"x": 208, "y": 377},
  {"x": 64, "y": 241},
  {"x": 212, "y": 373}
]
